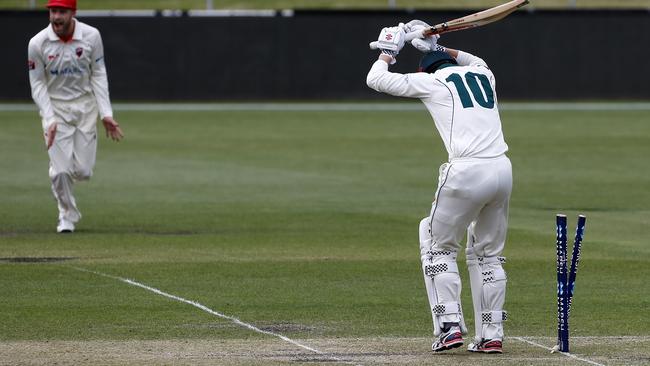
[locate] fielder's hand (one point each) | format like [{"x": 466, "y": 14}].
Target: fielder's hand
[
  {"x": 113, "y": 129},
  {"x": 50, "y": 134},
  {"x": 390, "y": 41}
]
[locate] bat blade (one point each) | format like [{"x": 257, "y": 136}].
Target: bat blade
[{"x": 477, "y": 19}]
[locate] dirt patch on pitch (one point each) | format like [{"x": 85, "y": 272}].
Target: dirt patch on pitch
[
  {"x": 284, "y": 328},
  {"x": 334, "y": 351},
  {"x": 36, "y": 259}
]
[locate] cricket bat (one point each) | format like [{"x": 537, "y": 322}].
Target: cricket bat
[{"x": 470, "y": 21}]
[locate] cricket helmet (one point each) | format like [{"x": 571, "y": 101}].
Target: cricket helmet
[
  {"x": 431, "y": 61},
  {"x": 67, "y": 4}
]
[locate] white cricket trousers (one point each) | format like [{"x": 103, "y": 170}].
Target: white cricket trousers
[
  {"x": 472, "y": 191},
  {"x": 72, "y": 155}
]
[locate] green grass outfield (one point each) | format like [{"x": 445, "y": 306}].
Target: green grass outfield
[{"x": 303, "y": 223}]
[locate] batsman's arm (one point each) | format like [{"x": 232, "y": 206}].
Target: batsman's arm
[
  {"x": 452, "y": 52},
  {"x": 400, "y": 85},
  {"x": 430, "y": 44},
  {"x": 386, "y": 58},
  {"x": 465, "y": 58}
]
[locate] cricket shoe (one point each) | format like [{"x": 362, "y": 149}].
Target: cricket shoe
[
  {"x": 450, "y": 339},
  {"x": 486, "y": 346},
  {"x": 65, "y": 226}
]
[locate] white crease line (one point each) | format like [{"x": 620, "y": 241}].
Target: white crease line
[
  {"x": 631, "y": 338},
  {"x": 550, "y": 349},
  {"x": 216, "y": 313}
]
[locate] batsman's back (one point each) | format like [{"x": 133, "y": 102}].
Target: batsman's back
[{"x": 463, "y": 104}]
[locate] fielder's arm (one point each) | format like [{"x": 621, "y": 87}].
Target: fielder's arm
[
  {"x": 99, "y": 77},
  {"x": 99, "y": 83},
  {"x": 38, "y": 84}
]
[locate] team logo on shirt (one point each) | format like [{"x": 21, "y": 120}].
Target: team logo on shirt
[
  {"x": 31, "y": 64},
  {"x": 52, "y": 57},
  {"x": 79, "y": 51},
  {"x": 66, "y": 71}
]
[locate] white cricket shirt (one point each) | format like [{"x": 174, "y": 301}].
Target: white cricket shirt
[
  {"x": 67, "y": 71},
  {"x": 461, "y": 99}
]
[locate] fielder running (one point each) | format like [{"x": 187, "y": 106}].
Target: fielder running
[
  {"x": 474, "y": 186},
  {"x": 69, "y": 84}
]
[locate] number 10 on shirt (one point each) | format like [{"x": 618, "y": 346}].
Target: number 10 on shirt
[{"x": 483, "y": 93}]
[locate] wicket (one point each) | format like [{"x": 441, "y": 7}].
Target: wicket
[{"x": 566, "y": 281}]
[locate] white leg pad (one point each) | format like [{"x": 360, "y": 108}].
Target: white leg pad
[
  {"x": 494, "y": 294},
  {"x": 476, "y": 285},
  {"x": 488, "y": 284},
  {"x": 442, "y": 282}
]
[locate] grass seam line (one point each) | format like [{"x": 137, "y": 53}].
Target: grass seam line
[
  {"x": 213, "y": 312},
  {"x": 521, "y": 339}
]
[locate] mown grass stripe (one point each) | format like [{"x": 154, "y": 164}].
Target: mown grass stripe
[{"x": 213, "y": 312}]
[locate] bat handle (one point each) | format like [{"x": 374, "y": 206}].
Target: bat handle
[{"x": 436, "y": 29}]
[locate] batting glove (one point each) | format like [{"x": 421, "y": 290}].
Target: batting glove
[
  {"x": 414, "y": 25},
  {"x": 427, "y": 44},
  {"x": 390, "y": 41}
]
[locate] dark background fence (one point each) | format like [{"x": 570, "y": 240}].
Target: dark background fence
[{"x": 540, "y": 55}]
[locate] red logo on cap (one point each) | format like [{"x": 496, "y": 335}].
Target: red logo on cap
[{"x": 389, "y": 37}]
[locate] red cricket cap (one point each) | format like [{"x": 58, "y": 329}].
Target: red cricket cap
[{"x": 68, "y": 4}]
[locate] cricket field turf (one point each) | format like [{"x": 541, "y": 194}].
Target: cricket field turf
[{"x": 285, "y": 236}]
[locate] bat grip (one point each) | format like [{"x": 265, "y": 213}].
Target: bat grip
[{"x": 436, "y": 29}]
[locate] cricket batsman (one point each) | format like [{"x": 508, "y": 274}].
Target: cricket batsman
[
  {"x": 70, "y": 87},
  {"x": 474, "y": 186}
]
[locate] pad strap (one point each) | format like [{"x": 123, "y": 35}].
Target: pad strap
[
  {"x": 491, "y": 317},
  {"x": 488, "y": 276},
  {"x": 445, "y": 308},
  {"x": 493, "y": 273},
  {"x": 471, "y": 256},
  {"x": 438, "y": 262},
  {"x": 432, "y": 270},
  {"x": 488, "y": 260}
]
